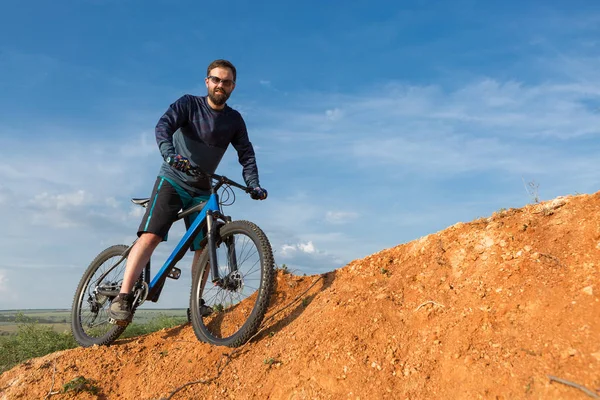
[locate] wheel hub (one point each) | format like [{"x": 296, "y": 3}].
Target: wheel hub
[{"x": 232, "y": 282}]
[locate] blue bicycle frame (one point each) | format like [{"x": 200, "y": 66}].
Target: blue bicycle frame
[
  {"x": 209, "y": 214},
  {"x": 204, "y": 218}
]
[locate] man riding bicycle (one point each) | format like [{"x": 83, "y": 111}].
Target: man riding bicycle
[{"x": 194, "y": 131}]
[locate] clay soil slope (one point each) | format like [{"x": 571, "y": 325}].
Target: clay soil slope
[{"x": 487, "y": 309}]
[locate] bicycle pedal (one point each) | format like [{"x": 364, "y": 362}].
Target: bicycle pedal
[
  {"x": 175, "y": 273},
  {"x": 118, "y": 322}
]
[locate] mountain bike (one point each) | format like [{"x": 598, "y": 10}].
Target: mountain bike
[{"x": 227, "y": 311}]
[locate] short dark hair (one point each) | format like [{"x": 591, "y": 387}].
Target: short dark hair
[{"x": 221, "y": 64}]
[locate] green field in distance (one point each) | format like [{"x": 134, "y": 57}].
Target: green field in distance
[{"x": 60, "y": 319}]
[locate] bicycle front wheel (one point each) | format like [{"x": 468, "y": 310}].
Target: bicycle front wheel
[
  {"x": 230, "y": 311},
  {"x": 100, "y": 283}
]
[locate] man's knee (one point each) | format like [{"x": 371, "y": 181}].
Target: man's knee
[{"x": 148, "y": 239}]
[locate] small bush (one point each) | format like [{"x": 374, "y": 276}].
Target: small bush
[
  {"x": 32, "y": 340},
  {"x": 284, "y": 268},
  {"x": 218, "y": 308},
  {"x": 80, "y": 384},
  {"x": 35, "y": 340}
]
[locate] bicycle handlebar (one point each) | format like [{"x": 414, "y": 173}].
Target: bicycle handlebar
[{"x": 221, "y": 179}]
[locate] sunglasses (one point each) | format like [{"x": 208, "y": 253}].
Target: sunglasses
[{"x": 216, "y": 80}]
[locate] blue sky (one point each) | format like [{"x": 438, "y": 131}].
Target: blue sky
[{"x": 375, "y": 123}]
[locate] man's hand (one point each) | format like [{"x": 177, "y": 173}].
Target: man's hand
[
  {"x": 258, "y": 193},
  {"x": 179, "y": 162}
]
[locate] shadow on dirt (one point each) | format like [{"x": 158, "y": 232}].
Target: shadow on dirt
[
  {"x": 293, "y": 306},
  {"x": 168, "y": 333},
  {"x": 175, "y": 331},
  {"x": 284, "y": 307}
]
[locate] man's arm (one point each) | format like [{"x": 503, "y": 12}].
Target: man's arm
[
  {"x": 174, "y": 118},
  {"x": 246, "y": 155}
]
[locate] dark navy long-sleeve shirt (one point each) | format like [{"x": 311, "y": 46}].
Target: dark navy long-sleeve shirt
[{"x": 191, "y": 128}]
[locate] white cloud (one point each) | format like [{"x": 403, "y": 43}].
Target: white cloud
[
  {"x": 56, "y": 220},
  {"x": 340, "y": 217},
  {"x": 307, "y": 247},
  {"x": 62, "y": 201},
  {"x": 288, "y": 250},
  {"x": 487, "y": 124},
  {"x": 305, "y": 257}
]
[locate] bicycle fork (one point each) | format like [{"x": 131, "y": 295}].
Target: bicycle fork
[
  {"x": 212, "y": 237},
  {"x": 212, "y": 247}
]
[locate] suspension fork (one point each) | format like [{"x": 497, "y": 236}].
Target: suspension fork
[
  {"x": 212, "y": 236},
  {"x": 231, "y": 255},
  {"x": 211, "y": 229}
]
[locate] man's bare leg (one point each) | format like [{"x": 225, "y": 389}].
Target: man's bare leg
[
  {"x": 138, "y": 258},
  {"x": 120, "y": 308},
  {"x": 204, "y": 309}
]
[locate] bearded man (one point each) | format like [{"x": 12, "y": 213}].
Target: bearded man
[{"x": 194, "y": 132}]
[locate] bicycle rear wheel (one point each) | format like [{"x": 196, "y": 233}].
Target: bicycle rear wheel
[
  {"x": 237, "y": 302},
  {"x": 89, "y": 314}
]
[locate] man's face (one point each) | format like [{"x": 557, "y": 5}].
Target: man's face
[{"x": 220, "y": 84}]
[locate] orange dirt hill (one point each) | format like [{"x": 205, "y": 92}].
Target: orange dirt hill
[{"x": 489, "y": 309}]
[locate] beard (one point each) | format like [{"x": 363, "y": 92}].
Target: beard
[{"x": 218, "y": 96}]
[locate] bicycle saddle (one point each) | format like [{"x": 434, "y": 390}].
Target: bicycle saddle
[{"x": 141, "y": 202}]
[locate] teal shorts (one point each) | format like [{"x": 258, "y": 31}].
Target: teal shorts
[{"x": 167, "y": 200}]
